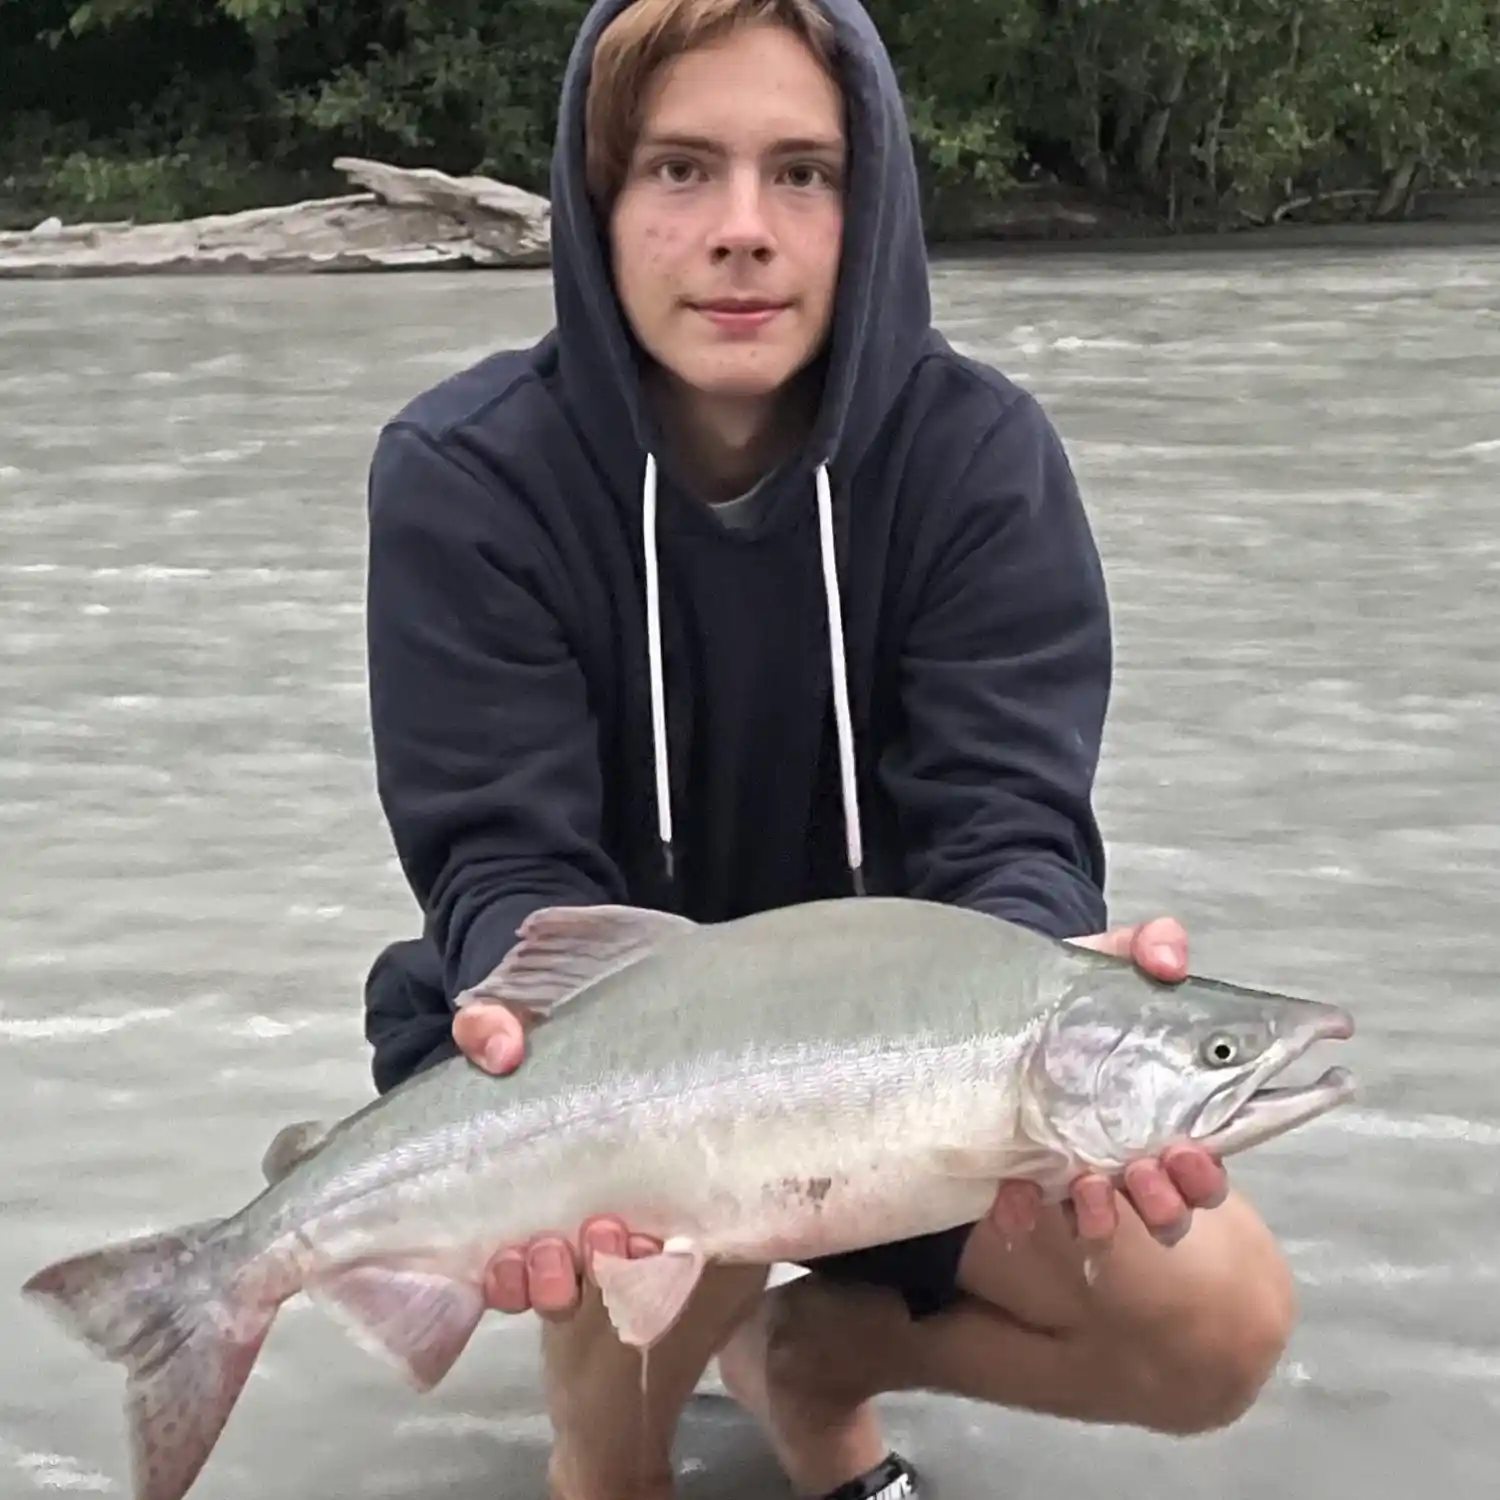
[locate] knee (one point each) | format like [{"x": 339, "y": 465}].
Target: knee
[
  {"x": 1205, "y": 1364},
  {"x": 834, "y": 1345}
]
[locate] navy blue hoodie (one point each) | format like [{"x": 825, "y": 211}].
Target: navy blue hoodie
[{"x": 513, "y": 510}]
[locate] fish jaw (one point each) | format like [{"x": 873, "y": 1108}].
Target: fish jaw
[
  {"x": 1256, "y": 1110},
  {"x": 1268, "y": 1112}
]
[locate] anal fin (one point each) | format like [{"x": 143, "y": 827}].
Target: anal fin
[
  {"x": 412, "y": 1314},
  {"x": 645, "y": 1297}
]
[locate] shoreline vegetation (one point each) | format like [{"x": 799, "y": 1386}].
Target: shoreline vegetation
[{"x": 370, "y": 134}]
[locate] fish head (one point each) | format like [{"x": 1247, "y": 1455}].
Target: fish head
[{"x": 1125, "y": 1066}]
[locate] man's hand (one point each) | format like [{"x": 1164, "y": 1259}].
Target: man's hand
[
  {"x": 1163, "y": 1192},
  {"x": 491, "y": 1035},
  {"x": 546, "y": 1275}
]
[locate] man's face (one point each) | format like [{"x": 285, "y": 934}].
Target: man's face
[{"x": 726, "y": 234}]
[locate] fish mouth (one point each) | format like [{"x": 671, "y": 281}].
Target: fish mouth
[
  {"x": 1254, "y": 1109},
  {"x": 1268, "y": 1112}
]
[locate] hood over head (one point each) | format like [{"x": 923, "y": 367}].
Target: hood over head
[
  {"x": 882, "y": 309},
  {"x": 880, "y": 324}
]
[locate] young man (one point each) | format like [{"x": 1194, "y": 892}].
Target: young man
[{"x": 740, "y": 589}]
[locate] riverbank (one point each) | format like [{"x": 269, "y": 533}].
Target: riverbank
[
  {"x": 404, "y": 219},
  {"x": 397, "y": 219},
  {"x": 1046, "y": 214},
  {"x": 1454, "y": 219}
]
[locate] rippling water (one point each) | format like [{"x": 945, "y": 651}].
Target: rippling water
[{"x": 1293, "y": 463}]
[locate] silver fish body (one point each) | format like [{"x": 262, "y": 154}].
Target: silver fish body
[
  {"x": 804, "y": 1081},
  {"x": 776, "y": 1087}
]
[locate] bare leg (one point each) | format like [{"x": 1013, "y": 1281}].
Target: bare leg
[
  {"x": 610, "y": 1444},
  {"x": 1176, "y": 1340}
]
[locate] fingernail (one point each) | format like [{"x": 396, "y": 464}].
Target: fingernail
[
  {"x": 1174, "y": 1233},
  {"x": 1164, "y": 954},
  {"x": 607, "y": 1242},
  {"x": 1218, "y": 1200},
  {"x": 497, "y": 1054},
  {"x": 1096, "y": 1196},
  {"x": 507, "y": 1286},
  {"x": 551, "y": 1260}
]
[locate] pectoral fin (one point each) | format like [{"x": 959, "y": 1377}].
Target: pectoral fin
[
  {"x": 562, "y": 950},
  {"x": 645, "y": 1297},
  {"x": 414, "y": 1316}
]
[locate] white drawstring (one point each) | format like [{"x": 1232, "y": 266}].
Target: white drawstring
[
  {"x": 658, "y": 676},
  {"x": 839, "y": 666},
  {"x": 843, "y": 719}
]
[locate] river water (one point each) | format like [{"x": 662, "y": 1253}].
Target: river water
[{"x": 1293, "y": 464}]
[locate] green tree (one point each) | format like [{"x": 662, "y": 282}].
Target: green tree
[{"x": 1196, "y": 111}]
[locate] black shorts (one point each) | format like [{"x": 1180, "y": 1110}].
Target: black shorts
[{"x": 924, "y": 1270}]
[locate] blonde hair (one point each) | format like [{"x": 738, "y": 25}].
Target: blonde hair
[{"x": 649, "y": 33}]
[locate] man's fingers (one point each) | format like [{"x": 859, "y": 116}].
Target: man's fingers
[
  {"x": 602, "y": 1236},
  {"x": 1157, "y": 1201},
  {"x": 608, "y": 1235},
  {"x": 1160, "y": 947},
  {"x": 505, "y": 1283},
  {"x": 552, "y": 1276},
  {"x": 1096, "y": 1214},
  {"x": 1201, "y": 1181},
  {"x": 490, "y": 1036},
  {"x": 1016, "y": 1207},
  {"x": 1116, "y": 942},
  {"x": 546, "y": 1275}
]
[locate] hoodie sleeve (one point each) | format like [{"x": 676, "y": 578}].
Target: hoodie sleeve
[
  {"x": 486, "y": 755},
  {"x": 1005, "y": 677}
]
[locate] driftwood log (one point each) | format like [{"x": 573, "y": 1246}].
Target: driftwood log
[{"x": 401, "y": 219}]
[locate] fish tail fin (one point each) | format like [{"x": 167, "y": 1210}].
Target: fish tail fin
[{"x": 179, "y": 1312}]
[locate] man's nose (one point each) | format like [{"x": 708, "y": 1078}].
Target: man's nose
[{"x": 743, "y": 229}]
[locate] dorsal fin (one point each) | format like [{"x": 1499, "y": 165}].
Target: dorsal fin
[{"x": 562, "y": 950}]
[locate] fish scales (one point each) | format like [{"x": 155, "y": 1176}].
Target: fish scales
[{"x": 660, "y": 1096}]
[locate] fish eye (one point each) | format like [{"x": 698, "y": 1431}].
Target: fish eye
[{"x": 1220, "y": 1050}]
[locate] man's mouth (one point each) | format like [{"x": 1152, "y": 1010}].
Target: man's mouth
[
  {"x": 739, "y": 304},
  {"x": 739, "y": 313}
]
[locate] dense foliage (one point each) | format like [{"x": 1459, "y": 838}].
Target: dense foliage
[{"x": 1192, "y": 110}]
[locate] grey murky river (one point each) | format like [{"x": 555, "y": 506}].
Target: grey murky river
[{"x": 1293, "y": 461}]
